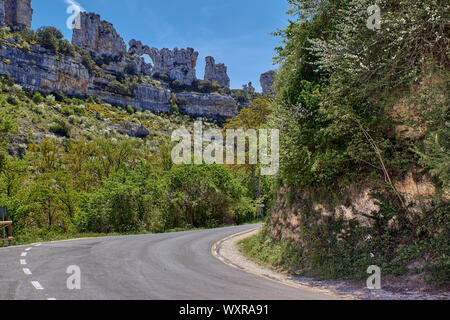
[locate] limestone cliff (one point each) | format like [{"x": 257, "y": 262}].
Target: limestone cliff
[
  {"x": 216, "y": 72},
  {"x": 15, "y": 13},
  {"x": 267, "y": 79},
  {"x": 100, "y": 72},
  {"x": 98, "y": 36},
  {"x": 178, "y": 64}
]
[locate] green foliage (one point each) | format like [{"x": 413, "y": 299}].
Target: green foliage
[
  {"x": 87, "y": 181},
  {"x": 341, "y": 91},
  {"x": 38, "y": 98},
  {"x": 7, "y": 122},
  {"x": 61, "y": 127},
  {"x": 436, "y": 156},
  {"x": 52, "y": 39},
  {"x": 263, "y": 250},
  {"x": 205, "y": 195},
  {"x": 173, "y": 102},
  {"x": 126, "y": 87}
]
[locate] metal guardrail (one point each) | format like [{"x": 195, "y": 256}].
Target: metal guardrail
[{"x": 8, "y": 225}]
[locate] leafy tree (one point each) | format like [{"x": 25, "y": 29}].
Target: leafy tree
[
  {"x": 49, "y": 38},
  {"x": 253, "y": 117}
]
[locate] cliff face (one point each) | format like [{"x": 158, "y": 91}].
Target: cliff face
[
  {"x": 292, "y": 211},
  {"x": 267, "y": 79},
  {"x": 216, "y": 72},
  {"x": 41, "y": 70},
  {"x": 178, "y": 64},
  {"x": 15, "y": 13},
  {"x": 98, "y": 36},
  {"x": 207, "y": 105}
]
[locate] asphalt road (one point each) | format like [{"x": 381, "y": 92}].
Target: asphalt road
[{"x": 172, "y": 266}]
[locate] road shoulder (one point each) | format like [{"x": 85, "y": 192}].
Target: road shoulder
[{"x": 227, "y": 251}]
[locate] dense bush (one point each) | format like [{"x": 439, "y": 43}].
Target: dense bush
[{"x": 340, "y": 106}]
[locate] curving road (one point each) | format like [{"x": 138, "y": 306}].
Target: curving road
[{"x": 171, "y": 266}]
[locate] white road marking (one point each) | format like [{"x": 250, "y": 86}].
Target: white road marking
[
  {"x": 53, "y": 299},
  {"x": 37, "y": 244},
  {"x": 24, "y": 254},
  {"x": 23, "y": 262},
  {"x": 28, "y": 249},
  {"x": 37, "y": 285},
  {"x": 27, "y": 271}
]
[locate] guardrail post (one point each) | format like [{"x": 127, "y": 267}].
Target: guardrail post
[{"x": 10, "y": 238}]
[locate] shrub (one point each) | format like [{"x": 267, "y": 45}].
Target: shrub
[
  {"x": 49, "y": 38},
  {"x": 61, "y": 128},
  {"x": 38, "y": 98}
]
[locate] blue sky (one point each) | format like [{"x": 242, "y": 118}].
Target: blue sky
[{"x": 235, "y": 32}]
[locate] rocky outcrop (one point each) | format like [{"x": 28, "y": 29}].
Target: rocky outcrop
[
  {"x": 2, "y": 14},
  {"x": 98, "y": 36},
  {"x": 248, "y": 88},
  {"x": 178, "y": 64},
  {"x": 36, "y": 68},
  {"x": 138, "y": 131},
  {"x": 216, "y": 72},
  {"x": 16, "y": 14},
  {"x": 43, "y": 71},
  {"x": 359, "y": 205},
  {"x": 40, "y": 70},
  {"x": 267, "y": 79},
  {"x": 213, "y": 105},
  {"x": 137, "y": 48}
]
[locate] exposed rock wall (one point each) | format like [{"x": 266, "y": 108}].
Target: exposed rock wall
[
  {"x": 267, "y": 79},
  {"x": 43, "y": 71},
  {"x": 178, "y": 64},
  {"x": 207, "y": 105},
  {"x": 15, "y": 13},
  {"x": 248, "y": 88},
  {"x": 216, "y": 72},
  {"x": 359, "y": 205},
  {"x": 2, "y": 14},
  {"x": 98, "y": 36}
]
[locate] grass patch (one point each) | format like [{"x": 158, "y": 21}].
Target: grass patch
[{"x": 277, "y": 256}]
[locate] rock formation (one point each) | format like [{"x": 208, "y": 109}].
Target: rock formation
[
  {"x": 16, "y": 14},
  {"x": 41, "y": 70},
  {"x": 137, "y": 48},
  {"x": 248, "y": 88},
  {"x": 98, "y": 36},
  {"x": 267, "y": 79},
  {"x": 178, "y": 64},
  {"x": 216, "y": 72},
  {"x": 2, "y": 14},
  {"x": 38, "y": 69}
]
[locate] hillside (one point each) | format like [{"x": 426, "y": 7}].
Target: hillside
[
  {"x": 365, "y": 151},
  {"x": 362, "y": 111}
]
